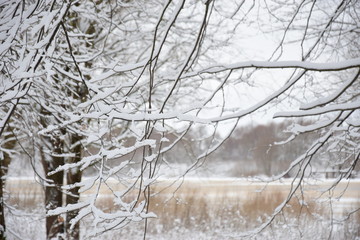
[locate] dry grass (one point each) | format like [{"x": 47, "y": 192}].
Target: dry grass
[{"x": 222, "y": 209}]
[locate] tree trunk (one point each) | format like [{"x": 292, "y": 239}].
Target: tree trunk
[
  {"x": 73, "y": 196},
  {"x": 53, "y": 194},
  {"x": 53, "y": 199},
  {"x": 5, "y": 158},
  {"x": 2, "y": 186}
]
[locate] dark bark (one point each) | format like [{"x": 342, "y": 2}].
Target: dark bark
[
  {"x": 2, "y": 217},
  {"x": 3, "y": 171},
  {"x": 53, "y": 193},
  {"x": 73, "y": 196},
  {"x": 9, "y": 143}
]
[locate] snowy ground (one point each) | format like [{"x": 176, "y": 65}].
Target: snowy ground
[{"x": 209, "y": 208}]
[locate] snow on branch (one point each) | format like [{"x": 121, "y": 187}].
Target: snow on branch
[
  {"x": 318, "y": 111},
  {"x": 311, "y": 66},
  {"x": 333, "y": 96}
]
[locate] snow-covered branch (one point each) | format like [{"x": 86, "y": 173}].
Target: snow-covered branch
[{"x": 310, "y": 66}]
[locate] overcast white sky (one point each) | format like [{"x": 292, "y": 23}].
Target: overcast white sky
[{"x": 250, "y": 42}]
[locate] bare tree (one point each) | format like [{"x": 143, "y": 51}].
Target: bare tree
[
  {"x": 108, "y": 92},
  {"x": 27, "y": 31}
]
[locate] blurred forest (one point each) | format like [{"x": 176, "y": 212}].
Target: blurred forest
[{"x": 252, "y": 150}]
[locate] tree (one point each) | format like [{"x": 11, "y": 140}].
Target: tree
[
  {"x": 133, "y": 73},
  {"x": 23, "y": 46}
]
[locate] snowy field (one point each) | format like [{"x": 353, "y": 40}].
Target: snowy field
[{"x": 211, "y": 209}]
